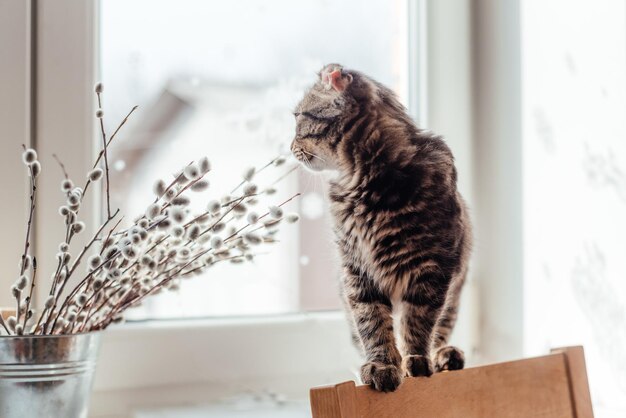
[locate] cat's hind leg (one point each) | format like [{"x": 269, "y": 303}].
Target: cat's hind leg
[
  {"x": 447, "y": 357},
  {"x": 421, "y": 307}
]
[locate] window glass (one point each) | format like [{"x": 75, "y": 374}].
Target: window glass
[{"x": 221, "y": 79}]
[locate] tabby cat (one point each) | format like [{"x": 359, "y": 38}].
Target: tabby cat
[{"x": 401, "y": 225}]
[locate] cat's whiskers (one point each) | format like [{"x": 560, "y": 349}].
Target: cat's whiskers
[
  {"x": 313, "y": 155},
  {"x": 306, "y": 161}
]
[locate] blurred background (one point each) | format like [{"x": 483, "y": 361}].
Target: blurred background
[{"x": 530, "y": 95}]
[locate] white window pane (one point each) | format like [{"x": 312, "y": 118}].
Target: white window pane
[{"x": 221, "y": 79}]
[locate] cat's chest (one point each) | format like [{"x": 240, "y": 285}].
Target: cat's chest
[
  {"x": 355, "y": 229},
  {"x": 358, "y": 231}
]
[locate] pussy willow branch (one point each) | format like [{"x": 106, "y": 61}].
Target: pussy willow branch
[
  {"x": 188, "y": 272},
  {"x": 87, "y": 304},
  {"x": 38, "y": 324},
  {"x": 105, "y": 302},
  {"x": 50, "y": 312},
  {"x": 206, "y": 213},
  {"x": 174, "y": 271},
  {"x": 260, "y": 217},
  {"x": 294, "y": 168},
  {"x": 121, "y": 307},
  {"x": 18, "y": 296},
  {"x": 182, "y": 190},
  {"x": 169, "y": 274},
  {"x": 75, "y": 265},
  {"x": 174, "y": 182},
  {"x": 123, "y": 304},
  {"x": 255, "y": 173},
  {"x": 65, "y": 304},
  {"x": 220, "y": 218},
  {"x": 106, "y": 158},
  {"x": 82, "y": 283},
  {"x": 105, "y": 243},
  {"x": 101, "y": 153},
  {"x": 30, "y": 295},
  {"x": 114, "y": 133},
  {"x": 33, "y": 194},
  {"x": 68, "y": 234},
  {"x": 57, "y": 274},
  {"x": 91, "y": 242},
  {"x": 4, "y": 325},
  {"x": 92, "y": 312},
  {"x": 63, "y": 169}
]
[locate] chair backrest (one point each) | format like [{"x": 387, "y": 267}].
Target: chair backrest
[{"x": 552, "y": 386}]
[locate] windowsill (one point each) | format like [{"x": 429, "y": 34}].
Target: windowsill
[
  {"x": 237, "y": 409},
  {"x": 150, "y": 325},
  {"x": 192, "y": 362}
]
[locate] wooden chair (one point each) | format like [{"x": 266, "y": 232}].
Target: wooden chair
[{"x": 552, "y": 386}]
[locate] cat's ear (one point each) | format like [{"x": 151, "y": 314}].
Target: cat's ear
[{"x": 337, "y": 80}]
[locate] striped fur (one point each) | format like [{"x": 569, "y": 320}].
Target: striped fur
[{"x": 401, "y": 225}]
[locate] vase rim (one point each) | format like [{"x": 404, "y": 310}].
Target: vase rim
[{"x": 54, "y": 336}]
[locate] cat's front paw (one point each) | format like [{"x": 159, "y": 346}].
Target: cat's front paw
[
  {"x": 449, "y": 358},
  {"x": 380, "y": 376},
  {"x": 416, "y": 365}
]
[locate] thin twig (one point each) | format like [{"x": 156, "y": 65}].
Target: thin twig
[
  {"x": 294, "y": 168},
  {"x": 33, "y": 193},
  {"x": 260, "y": 217},
  {"x": 91, "y": 314},
  {"x": 114, "y": 133},
  {"x": 182, "y": 190},
  {"x": 61, "y": 165},
  {"x": 4, "y": 325},
  {"x": 106, "y": 158},
  {"x": 57, "y": 273},
  {"x": 34, "y": 330},
  {"x": 30, "y": 295},
  {"x": 101, "y": 153},
  {"x": 120, "y": 308},
  {"x": 104, "y": 243},
  {"x": 256, "y": 172},
  {"x": 75, "y": 265}
]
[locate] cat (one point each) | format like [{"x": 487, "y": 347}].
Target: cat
[{"x": 401, "y": 225}]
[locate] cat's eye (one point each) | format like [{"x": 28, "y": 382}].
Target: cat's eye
[{"x": 296, "y": 114}]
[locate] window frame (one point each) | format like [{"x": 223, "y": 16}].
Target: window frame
[
  {"x": 16, "y": 112},
  {"x": 63, "y": 120}
]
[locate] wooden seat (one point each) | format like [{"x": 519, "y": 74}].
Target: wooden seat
[{"x": 552, "y": 386}]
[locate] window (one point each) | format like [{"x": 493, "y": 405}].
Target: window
[
  {"x": 208, "y": 86},
  {"x": 76, "y": 43},
  {"x": 14, "y": 118}
]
